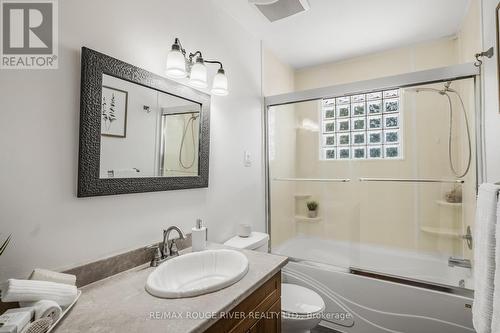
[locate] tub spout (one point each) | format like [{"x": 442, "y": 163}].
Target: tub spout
[{"x": 457, "y": 262}]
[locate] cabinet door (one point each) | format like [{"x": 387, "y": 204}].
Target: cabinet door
[
  {"x": 260, "y": 301},
  {"x": 270, "y": 324}
]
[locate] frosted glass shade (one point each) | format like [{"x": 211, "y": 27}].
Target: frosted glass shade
[
  {"x": 219, "y": 87},
  {"x": 198, "y": 77},
  {"x": 176, "y": 65}
]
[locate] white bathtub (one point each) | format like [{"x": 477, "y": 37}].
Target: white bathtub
[
  {"x": 359, "y": 304},
  {"x": 424, "y": 267}
]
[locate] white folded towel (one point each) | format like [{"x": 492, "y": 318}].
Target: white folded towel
[
  {"x": 44, "y": 309},
  {"x": 30, "y": 290},
  {"x": 46, "y": 275},
  {"x": 495, "y": 320},
  {"x": 484, "y": 257}
]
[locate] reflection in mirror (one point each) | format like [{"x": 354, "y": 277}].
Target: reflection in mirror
[
  {"x": 179, "y": 143},
  {"x": 147, "y": 133}
]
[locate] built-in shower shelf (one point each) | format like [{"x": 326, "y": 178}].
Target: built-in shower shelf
[
  {"x": 301, "y": 218},
  {"x": 300, "y": 196},
  {"x": 451, "y": 233},
  {"x": 449, "y": 204}
]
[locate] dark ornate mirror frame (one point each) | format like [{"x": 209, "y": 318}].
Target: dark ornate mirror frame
[{"x": 94, "y": 65}]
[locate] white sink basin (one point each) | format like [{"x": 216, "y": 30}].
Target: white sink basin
[{"x": 197, "y": 273}]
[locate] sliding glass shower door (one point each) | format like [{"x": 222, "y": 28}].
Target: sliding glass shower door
[{"x": 389, "y": 171}]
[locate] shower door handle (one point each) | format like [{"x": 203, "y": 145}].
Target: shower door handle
[
  {"x": 325, "y": 180},
  {"x": 468, "y": 238}
]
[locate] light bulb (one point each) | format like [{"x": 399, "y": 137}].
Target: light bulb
[
  {"x": 198, "y": 76},
  {"x": 219, "y": 86},
  {"x": 176, "y": 63}
]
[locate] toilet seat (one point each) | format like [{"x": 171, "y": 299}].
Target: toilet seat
[{"x": 299, "y": 302}]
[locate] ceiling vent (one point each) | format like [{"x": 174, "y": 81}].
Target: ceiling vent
[{"x": 275, "y": 10}]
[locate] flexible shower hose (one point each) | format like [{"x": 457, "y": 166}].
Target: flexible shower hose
[
  {"x": 445, "y": 92},
  {"x": 466, "y": 118},
  {"x": 191, "y": 120}
]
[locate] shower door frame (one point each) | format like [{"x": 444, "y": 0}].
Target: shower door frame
[{"x": 436, "y": 75}]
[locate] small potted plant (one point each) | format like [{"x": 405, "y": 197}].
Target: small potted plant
[
  {"x": 312, "y": 207},
  {"x": 454, "y": 196}
]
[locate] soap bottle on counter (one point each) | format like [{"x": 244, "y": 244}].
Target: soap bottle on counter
[{"x": 199, "y": 236}]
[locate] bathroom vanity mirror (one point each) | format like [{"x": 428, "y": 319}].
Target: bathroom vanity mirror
[
  {"x": 147, "y": 133},
  {"x": 139, "y": 132}
]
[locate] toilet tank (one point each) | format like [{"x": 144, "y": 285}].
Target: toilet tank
[{"x": 257, "y": 241}]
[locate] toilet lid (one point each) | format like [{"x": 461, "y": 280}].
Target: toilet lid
[
  {"x": 299, "y": 300},
  {"x": 254, "y": 241}
]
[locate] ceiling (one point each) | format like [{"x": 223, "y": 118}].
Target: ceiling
[{"x": 333, "y": 30}]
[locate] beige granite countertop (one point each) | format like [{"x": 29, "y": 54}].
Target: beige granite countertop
[{"x": 120, "y": 303}]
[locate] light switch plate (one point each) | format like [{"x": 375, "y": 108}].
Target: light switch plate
[{"x": 247, "y": 159}]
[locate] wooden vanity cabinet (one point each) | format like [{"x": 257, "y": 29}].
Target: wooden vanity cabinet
[
  {"x": 258, "y": 313},
  {"x": 269, "y": 325}
]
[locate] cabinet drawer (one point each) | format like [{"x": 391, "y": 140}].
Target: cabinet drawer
[
  {"x": 242, "y": 317},
  {"x": 271, "y": 324}
]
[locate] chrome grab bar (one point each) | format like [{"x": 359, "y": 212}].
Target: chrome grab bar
[
  {"x": 412, "y": 180},
  {"x": 326, "y": 180}
]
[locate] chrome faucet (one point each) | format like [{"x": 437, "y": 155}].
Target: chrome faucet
[
  {"x": 457, "y": 262},
  {"x": 168, "y": 248}
]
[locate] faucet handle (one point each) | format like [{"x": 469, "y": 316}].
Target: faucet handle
[
  {"x": 174, "y": 251},
  {"x": 157, "y": 256}
]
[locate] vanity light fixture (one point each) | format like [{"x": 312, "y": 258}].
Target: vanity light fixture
[
  {"x": 194, "y": 66},
  {"x": 219, "y": 86},
  {"x": 198, "y": 75},
  {"x": 176, "y": 63}
]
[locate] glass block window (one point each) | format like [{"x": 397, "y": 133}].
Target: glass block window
[{"x": 360, "y": 127}]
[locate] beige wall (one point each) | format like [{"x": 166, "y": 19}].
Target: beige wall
[
  {"x": 418, "y": 57},
  {"x": 469, "y": 36},
  {"x": 387, "y": 214},
  {"x": 279, "y": 78}
]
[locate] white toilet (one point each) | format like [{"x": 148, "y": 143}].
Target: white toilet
[{"x": 301, "y": 308}]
